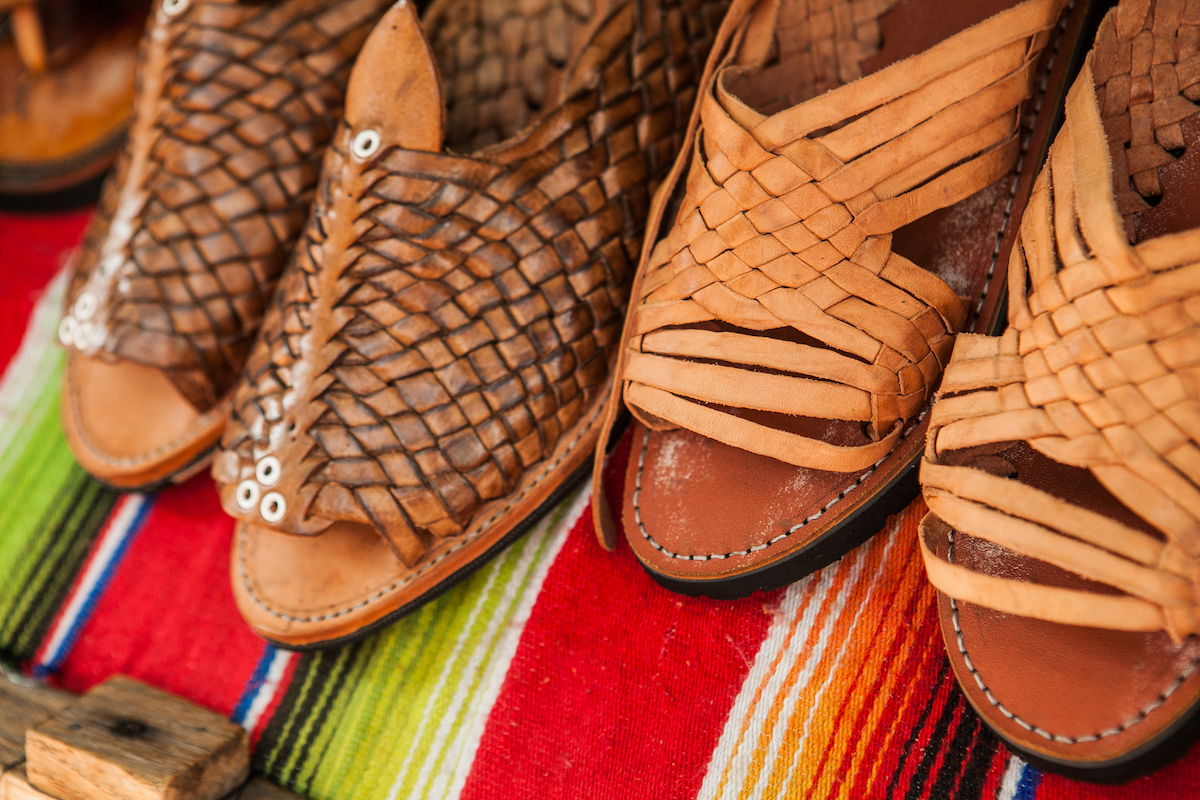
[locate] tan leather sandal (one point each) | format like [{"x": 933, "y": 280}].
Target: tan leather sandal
[
  {"x": 836, "y": 218},
  {"x": 1062, "y": 471},
  {"x": 66, "y": 89},
  {"x": 236, "y": 103},
  {"x": 431, "y": 376}
]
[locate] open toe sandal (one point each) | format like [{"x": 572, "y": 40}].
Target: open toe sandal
[
  {"x": 431, "y": 376},
  {"x": 66, "y": 89},
  {"x": 837, "y": 217},
  {"x": 236, "y": 102},
  {"x": 1063, "y": 469}
]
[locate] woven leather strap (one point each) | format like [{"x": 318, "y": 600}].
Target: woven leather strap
[
  {"x": 424, "y": 356},
  {"x": 236, "y": 102},
  {"x": 1098, "y": 370},
  {"x": 786, "y": 226}
]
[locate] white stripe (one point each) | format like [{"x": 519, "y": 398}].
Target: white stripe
[
  {"x": 117, "y": 531},
  {"x": 872, "y": 584},
  {"x": 783, "y": 722},
  {"x": 32, "y": 368},
  {"x": 266, "y": 692},
  {"x": 749, "y": 714},
  {"x": 1012, "y": 779},
  {"x": 456, "y": 769}
]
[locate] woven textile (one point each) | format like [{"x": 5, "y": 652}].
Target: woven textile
[{"x": 556, "y": 671}]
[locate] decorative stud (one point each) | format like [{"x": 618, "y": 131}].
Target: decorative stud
[
  {"x": 268, "y": 471},
  {"x": 273, "y": 507},
  {"x": 66, "y": 331},
  {"x": 365, "y": 144},
  {"x": 174, "y": 8},
  {"x": 247, "y": 495},
  {"x": 111, "y": 264},
  {"x": 83, "y": 334},
  {"x": 85, "y": 306}
]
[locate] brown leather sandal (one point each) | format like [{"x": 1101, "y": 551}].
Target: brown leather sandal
[
  {"x": 236, "y": 103},
  {"x": 66, "y": 89},
  {"x": 1063, "y": 467},
  {"x": 431, "y": 376},
  {"x": 840, "y": 219}
]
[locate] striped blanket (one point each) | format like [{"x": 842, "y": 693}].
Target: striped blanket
[{"x": 556, "y": 671}]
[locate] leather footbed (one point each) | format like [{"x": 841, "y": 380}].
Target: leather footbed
[{"x": 694, "y": 506}]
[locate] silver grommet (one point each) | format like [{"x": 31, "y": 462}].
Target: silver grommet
[
  {"x": 66, "y": 331},
  {"x": 173, "y": 7},
  {"x": 268, "y": 471},
  {"x": 247, "y": 495},
  {"x": 273, "y": 507},
  {"x": 365, "y": 144},
  {"x": 83, "y": 334},
  {"x": 85, "y": 306}
]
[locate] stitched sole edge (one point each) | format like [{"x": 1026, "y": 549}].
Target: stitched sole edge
[
  {"x": 556, "y": 497},
  {"x": 859, "y": 526}
]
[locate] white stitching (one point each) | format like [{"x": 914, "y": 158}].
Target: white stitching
[
  {"x": 1055, "y": 737},
  {"x": 637, "y": 509},
  {"x": 412, "y": 576}
]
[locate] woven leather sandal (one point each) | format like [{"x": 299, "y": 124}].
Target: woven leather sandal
[
  {"x": 840, "y": 220},
  {"x": 431, "y": 376},
  {"x": 66, "y": 89},
  {"x": 236, "y": 103},
  {"x": 1062, "y": 471}
]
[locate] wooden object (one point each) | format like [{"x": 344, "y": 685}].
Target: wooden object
[
  {"x": 22, "y": 707},
  {"x": 127, "y": 740},
  {"x": 15, "y": 785}
]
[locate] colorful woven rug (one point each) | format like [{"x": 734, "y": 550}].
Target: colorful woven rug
[{"x": 556, "y": 671}]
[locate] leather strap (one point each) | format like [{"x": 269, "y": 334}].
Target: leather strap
[{"x": 1093, "y": 372}]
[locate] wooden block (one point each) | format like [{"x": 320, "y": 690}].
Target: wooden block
[
  {"x": 125, "y": 740},
  {"x": 22, "y": 707},
  {"x": 258, "y": 789},
  {"x": 14, "y": 785}
]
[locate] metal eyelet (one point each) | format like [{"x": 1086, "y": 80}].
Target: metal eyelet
[
  {"x": 365, "y": 144},
  {"x": 66, "y": 331},
  {"x": 83, "y": 334},
  {"x": 268, "y": 471},
  {"x": 85, "y": 306},
  {"x": 273, "y": 507},
  {"x": 174, "y": 7},
  {"x": 247, "y": 495},
  {"x": 111, "y": 264}
]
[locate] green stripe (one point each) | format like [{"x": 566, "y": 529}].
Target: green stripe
[
  {"x": 54, "y": 510},
  {"x": 409, "y": 672}
]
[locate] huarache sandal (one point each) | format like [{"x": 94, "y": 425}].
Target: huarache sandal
[
  {"x": 236, "y": 102},
  {"x": 431, "y": 376},
  {"x": 66, "y": 89},
  {"x": 835, "y": 219},
  {"x": 1062, "y": 471}
]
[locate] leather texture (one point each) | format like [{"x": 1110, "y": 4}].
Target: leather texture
[
  {"x": 66, "y": 89},
  {"x": 236, "y": 103},
  {"x": 783, "y": 345},
  {"x": 433, "y": 368},
  {"x": 1062, "y": 470}
]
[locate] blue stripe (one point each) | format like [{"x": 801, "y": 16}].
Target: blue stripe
[
  {"x": 1031, "y": 779},
  {"x": 89, "y": 605},
  {"x": 253, "y": 685}
]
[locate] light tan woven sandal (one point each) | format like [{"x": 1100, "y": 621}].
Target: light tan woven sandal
[
  {"x": 430, "y": 380},
  {"x": 838, "y": 220},
  {"x": 1063, "y": 469}
]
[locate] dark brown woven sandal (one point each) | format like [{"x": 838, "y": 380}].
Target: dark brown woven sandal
[
  {"x": 431, "y": 375},
  {"x": 236, "y": 102}
]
